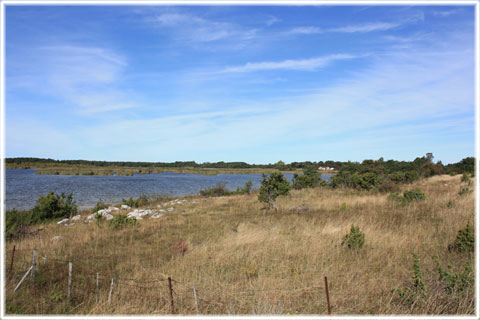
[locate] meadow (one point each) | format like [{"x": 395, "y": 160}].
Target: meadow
[{"x": 245, "y": 258}]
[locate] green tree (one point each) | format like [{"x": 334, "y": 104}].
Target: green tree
[{"x": 273, "y": 186}]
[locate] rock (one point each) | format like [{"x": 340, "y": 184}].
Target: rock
[
  {"x": 91, "y": 217},
  {"x": 64, "y": 221},
  {"x": 108, "y": 216},
  {"x": 170, "y": 209},
  {"x": 113, "y": 209},
  {"x": 124, "y": 206},
  {"x": 76, "y": 218},
  {"x": 55, "y": 238},
  {"x": 157, "y": 215}
]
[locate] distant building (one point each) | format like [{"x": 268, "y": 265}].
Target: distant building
[{"x": 326, "y": 168}]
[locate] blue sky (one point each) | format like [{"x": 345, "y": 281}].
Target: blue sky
[{"x": 239, "y": 83}]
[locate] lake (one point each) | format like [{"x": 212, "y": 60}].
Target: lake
[{"x": 23, "y": 186}]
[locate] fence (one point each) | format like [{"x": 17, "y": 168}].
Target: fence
[{"x": 168, "y": 289}]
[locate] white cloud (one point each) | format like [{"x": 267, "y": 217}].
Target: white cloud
[
  {"x": 300, "y": 64},
  {"x": 86, "y": 77},
  {"x": 445, "y": 13},
  {"x": 417, "y": 94},
  {"x": 197, "y": 29},
  {"x": 272, "y": 20},
  {"x": 368, "y": 27}
]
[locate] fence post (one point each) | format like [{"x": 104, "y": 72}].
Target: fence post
[
  {"x": 110, "y": 294},
  {"x": 44, "y": 259},
  {"x": 96, "y": 288},
  {"x": 70, "y": 267},
  {"x": 11, "y": 264},
  {"x": 171, "y": 293},
  {"x": 34, "y": 264},
  {"x": 328, "y": 297},
  {"x": 23, "y": 279},
  {"x": 195, "y": 296}
]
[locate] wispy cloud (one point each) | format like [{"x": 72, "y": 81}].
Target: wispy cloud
[
  {"x": 86, "y": 77},
  {"x": 198, "y": 29},
  {"x": 272, "y": 20},
  {"x": 301, "y": 64},
  {"x": 360, "y": 28},
  {"x": 446, "y": 13}
]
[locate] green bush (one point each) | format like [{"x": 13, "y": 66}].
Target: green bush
[
  {"x": 47, "y": 208},
  {"x": 311, "y": 178},
  {"x": 412, "y": 292},
  {"x": 464, "y": 190},
  {"x": 411, "y": 176},
  {"x": 396, "y": 197},
  {"x": 414, "y": 195},
  {"x": 121, "y": 220},
  {"x": 456, "y": 282},
  {"x": 465, "y": 240},
  {"x": 245, "y": 190},
  {"x": 273, "y": 186},
  {"x": 53, "y": 206},
  {"x": 465, "y": 177},
  {"x": 135, "y": 203},
  {"x": 99, "y": 206},
  {"x": 355, "y": 239},
  {"x": 216, "y": 191}
]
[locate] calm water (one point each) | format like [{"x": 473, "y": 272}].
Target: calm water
[{"x": 23, "y": 186}]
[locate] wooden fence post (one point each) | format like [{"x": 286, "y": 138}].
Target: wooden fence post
[
  {"x": 110, "y": 294},
  {"x": 328, "y": 297},
  {"x": 96, "y": 288},
  {"x": 70, "y": 267},
  {"x": 171, "y": 294},
  {"x": 34, "y": 264},
  {"x": 11, "y": 264},
  {"x": 23, "y": 279},
  {"x": 195, "y": 296}
]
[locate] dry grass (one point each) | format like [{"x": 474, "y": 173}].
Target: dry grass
[{"x": 245, "y": 260}]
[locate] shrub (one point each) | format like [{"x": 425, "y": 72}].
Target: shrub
[
  {"x": 47, "y": 208},
  {"x": 311, "y": 178},
  {"x": 245, "y": 190},
  {"x": 273, "y": 186},
  {"x": 396, "y": 197},
  {"x": 216, "y": 191},
  {"x": 465, "y": 240},
  {"x": 411, "y": 176},
  {"x": 465, "y": 177},
  {"x": 53, "y": 206},
  {"x": 414, "y": 195},
  {"x": 455, "y": 282},
  {"x": 355, "y": 239},
  {"x": 99, "y": 206},
  {"x": 464, "y": 190},
  {"x": 121, "y": 220},
  {"x": 135, "y": 203},
  {"x": 417, "y": 289}
]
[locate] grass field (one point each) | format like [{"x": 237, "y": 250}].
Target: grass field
[{"x": 245, "y": 259}]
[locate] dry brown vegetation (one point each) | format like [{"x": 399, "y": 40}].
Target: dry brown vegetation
[{"x": 246, "y": 260}]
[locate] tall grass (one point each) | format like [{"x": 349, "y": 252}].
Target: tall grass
[{"x": 245, "y": 259}]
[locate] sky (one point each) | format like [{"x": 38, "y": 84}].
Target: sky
[{"x": 239, "y": 83}]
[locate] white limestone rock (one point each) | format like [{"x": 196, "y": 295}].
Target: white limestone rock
[
  {"x": 126, "y": 207},
  {"x": 76, "y": 218},
  {"x": 62, "y": 222}
]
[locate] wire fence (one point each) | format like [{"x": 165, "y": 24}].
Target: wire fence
[{"x": 55, "y": 271}]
